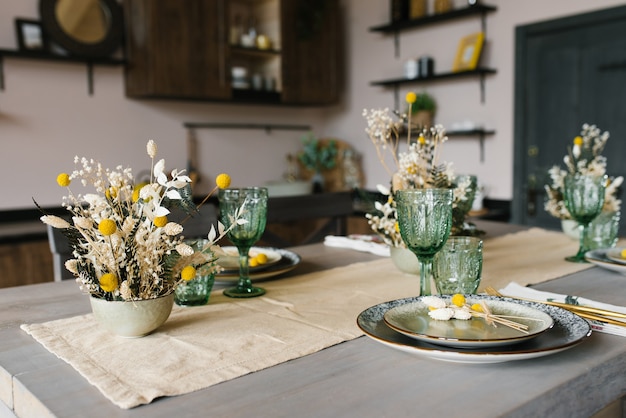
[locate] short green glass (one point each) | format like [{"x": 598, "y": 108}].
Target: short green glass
[
  {"x": 425, "y": 219},
  {"x": 251, "y": 206},
  {"x": 583, "y": 198},
  {"x": 195, "y": 292},
  {"x": 458, "y": 266}
]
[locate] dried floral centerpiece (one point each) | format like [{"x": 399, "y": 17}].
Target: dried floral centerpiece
[
  {"x": 124, "y": 246},
  {"x": 583, "y": 157},
  {"x": 416, "y": 168}
]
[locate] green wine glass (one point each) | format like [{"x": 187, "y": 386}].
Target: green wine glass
[
  {"x": 425, "y": 219},
  {"x": 583, "y": 198},
  {"x": 250, "y": 206}
]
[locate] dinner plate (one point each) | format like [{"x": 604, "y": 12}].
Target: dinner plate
[
  {"x": 412, "y": 320},
  {"x": 568, "y": 331},
  {"x": 615, "y": 254},
  {"x": 288, "y": 261},
  {"x": 599, "y": 258},
  {"x": 230, "y": 261}
]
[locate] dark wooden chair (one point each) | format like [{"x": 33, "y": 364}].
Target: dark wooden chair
[
  {"x": 61, "y": 252},
  {"x": 306, "y": 219}
]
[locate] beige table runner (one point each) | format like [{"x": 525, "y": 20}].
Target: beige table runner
[{"x": 201, "y": 346}]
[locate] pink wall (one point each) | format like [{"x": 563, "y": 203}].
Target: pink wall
[{"x": 47, "y": 117}]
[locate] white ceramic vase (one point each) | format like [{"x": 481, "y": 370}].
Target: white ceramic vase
[
  {"x": 570, "y": 228},
  {"x": 405, "y": 260},
  {"x": 132, "y": 319}
]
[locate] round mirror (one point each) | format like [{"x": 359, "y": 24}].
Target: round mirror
[{"x": 87, "y": 28}]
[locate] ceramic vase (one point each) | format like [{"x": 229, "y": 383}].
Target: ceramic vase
[
  {"x": 405, "y": 260},
  {"x": 132, "y": 319}
]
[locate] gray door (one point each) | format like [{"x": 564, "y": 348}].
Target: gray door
[{"x": 569, "y": 71}]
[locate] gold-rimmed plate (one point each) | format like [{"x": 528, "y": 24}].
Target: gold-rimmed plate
[
  {"x": 288, "y": 261},
  {"x": 600, "y": 259},
  {"x": 229, "y": 261},
  {"x": 615, "y": 254},
  {"x": 412, "y": 320},
  {"x": 568, "y": 331}
]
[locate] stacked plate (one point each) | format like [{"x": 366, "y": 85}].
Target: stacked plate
[
  {"x": 404, "y": 324},
  {"x": 278, "y": 261},
  {"x": 608, "y": 258}
]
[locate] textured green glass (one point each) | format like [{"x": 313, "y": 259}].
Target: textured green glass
[
  {"x": 458, "y": 266},
  {"x": 583, "y": 198},
  {"x": 425, "y": 219},
  {"x": 244, "y": 235},
  {"x": 195, "y": 292}
]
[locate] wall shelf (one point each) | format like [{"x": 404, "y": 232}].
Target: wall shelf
[
  {"x": 268, "y": 127},
  {"x": 89, "y": 62},
  {"x": 481, "y": 9},
  {"x": 397, "y": 27},
  {"x": 480, "y": 133},
  {"x": 480, "y": 72}
]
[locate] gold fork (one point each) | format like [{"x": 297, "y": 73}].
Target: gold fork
[{"x": 588, "y": 312}]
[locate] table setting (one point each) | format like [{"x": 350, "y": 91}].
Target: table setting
[{"x": 272, "y": 310}]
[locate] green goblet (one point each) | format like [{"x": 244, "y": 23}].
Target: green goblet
[
  {"x": 250, "y": 206},
  {"x": 425, "y": 219},
  {"x": 583, "y": 198}
]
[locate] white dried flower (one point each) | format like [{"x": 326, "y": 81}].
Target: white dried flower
[
  {"x": 72, "y": 265},
  {"x": 461, "y": 313},
  {"x": 434, "y": 302},
  {"x": 151, "y": 148},
  {"x": 55, "y": 221},
  {"x": 82, "y": 222},
  {"x": 172, "y": 228},
  {"x": 441, "y": 314},
  {"x": 184, "y": 250}
]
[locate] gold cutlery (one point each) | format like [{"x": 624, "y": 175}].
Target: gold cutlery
[{"x": 587, "y": 312}]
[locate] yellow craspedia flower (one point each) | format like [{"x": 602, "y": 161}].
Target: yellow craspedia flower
[
  {"x": 477, "y": 307},
  {"x": 411, "y": 97},
  {"x": 421, "y": 140},
  {"x": 458, "y": 299},
  {"x": 109, "y": 282},
  {"x": 160, "y": 221},
  {"x": 111, "y": 193},
  {"x": 578, "y": 140},
  {"x": 222, "y": 181},
  {"x": 63, "y": 180},
  {"x": 623, "y": 253},
  {"x": 188, "y": 273},
  {"x": 136, "y": 191},
  {"x": 107, "y": 227},
  {"x": 261, "y": 258}
]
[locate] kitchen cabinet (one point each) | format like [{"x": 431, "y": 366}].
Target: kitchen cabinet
[{"x": 191, "y": 50}]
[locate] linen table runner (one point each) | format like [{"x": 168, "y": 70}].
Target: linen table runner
[{"x": 201, "y": 346}]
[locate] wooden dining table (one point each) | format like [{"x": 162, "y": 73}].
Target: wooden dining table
[{"x": 356, "y": 378}]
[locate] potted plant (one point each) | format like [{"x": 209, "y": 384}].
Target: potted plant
[{"x": 423, "y": 110}]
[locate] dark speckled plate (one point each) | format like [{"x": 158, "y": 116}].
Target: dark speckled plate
[
  {"x": 568, "y": 330},
  {"x": 412, "y": 320}
]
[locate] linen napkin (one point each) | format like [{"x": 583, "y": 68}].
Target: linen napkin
[
  {"x": 365, "y": 243},
  {"x": 515, "y": 290}
]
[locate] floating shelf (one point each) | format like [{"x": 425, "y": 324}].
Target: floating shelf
[
  {"x": 480, "y": 133},
  {"x": 32, "y": 55},
  {"x": 397, "y": 27},
  {"x": 481, "y": 9},
  {"x": 395, "y": 82}
]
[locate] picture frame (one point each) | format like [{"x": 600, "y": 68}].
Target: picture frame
[
  {"x": 468, "y": 52},
  {"x": 30, "y": 35}
]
